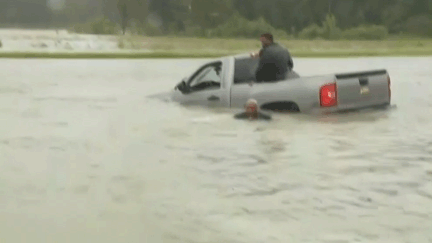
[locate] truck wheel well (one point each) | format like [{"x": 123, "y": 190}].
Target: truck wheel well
[{"x": 281, "y": 106}]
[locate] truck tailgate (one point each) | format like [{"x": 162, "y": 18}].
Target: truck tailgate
[{"x": 363, "y": 89}]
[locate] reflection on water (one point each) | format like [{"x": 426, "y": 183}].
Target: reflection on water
[{"x": 85, "y": 157}]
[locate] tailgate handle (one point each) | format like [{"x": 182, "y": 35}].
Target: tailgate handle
[{"x": 363, "y": 81}]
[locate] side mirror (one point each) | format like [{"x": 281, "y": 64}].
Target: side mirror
[
  {"x": 182, "y": 87},
  {"x": 182, "y": 83}
]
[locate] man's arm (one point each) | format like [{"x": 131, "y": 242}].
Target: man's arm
[
  {"x": 256, "y": 54},
  {"x": 290, "y": 60},
  {"x": 290, "y": 63},
  {"x": 241, "y": 115},
  {"x": 259, "y": 73},
  {"x": 265, "y": 116}
]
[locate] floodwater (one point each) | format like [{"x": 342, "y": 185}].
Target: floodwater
[{"x": 86, "y": 157}]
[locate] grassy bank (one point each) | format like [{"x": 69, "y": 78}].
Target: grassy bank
[
  {"x": 176, "y": 47},
  {"x": 174, "y": 54},
  {"x": 109, "y": 55}
]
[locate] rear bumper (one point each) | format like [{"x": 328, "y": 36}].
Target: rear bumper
[{"x": 338, "y": 109}]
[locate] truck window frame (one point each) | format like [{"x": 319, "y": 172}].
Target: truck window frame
[{"x": 201, "y": 69}]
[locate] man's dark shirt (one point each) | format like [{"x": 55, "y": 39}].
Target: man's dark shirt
[
  {"x": 261, "y": 116},
  {"x": 275, "y": 62}
]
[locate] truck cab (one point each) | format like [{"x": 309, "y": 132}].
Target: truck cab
[{"x": 226, "y": 82}]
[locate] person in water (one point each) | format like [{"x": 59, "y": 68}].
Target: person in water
[
  {"x": 252, "y": 112},
  {"x": 275, "y": 60}
]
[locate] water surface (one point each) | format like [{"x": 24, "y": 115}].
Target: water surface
[{"x": 86, "y": 157}]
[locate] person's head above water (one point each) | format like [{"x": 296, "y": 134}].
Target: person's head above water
[
  {"x": 266, "y": 39},
  {"x": 251, "y": 107},
  {"x": 252, "y": 112}
]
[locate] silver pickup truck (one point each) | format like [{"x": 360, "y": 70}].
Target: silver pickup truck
[{"x": 230, "y": 82}]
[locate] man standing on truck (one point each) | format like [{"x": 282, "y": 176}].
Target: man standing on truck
[
  {"x": 275, "y": 60},
  {"x": 252, "y": 112}
]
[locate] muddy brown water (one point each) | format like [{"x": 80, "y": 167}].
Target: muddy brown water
[{"x": 86, "y": 157}]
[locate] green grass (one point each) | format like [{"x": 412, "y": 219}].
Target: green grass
[
  {"x": 179, "y": 47},
  {"x": 174, "y": 54}
]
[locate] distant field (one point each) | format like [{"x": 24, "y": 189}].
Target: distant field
[
  {"x": 167, "y": 43},
  {"x": 299, "y": 48},
  {"x": 177, "y": 47}
]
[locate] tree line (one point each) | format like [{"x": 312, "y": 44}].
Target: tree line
[{"x": 206, "y": 16}]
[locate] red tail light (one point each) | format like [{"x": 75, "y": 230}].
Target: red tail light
[
  {"x": 389, "y": 85},
  {"x": 328, "y": 95}
]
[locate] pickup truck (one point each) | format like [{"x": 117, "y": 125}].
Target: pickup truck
[{"x": 230, "y": 82}]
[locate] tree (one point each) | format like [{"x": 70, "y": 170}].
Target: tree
[
  {"x": 131, "y": 9},
  {"x": 122, "y": 6},
  {"x": 210, "y": 13}
]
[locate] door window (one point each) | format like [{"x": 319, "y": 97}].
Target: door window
[
  {"x": 244, "y": 70},
  {"x": 207, "y": 77}
]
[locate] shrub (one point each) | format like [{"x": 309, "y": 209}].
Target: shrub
[
  {"x": 237, "y": 26},
  {"x": 121, "y": 43},
  {"x": 150, "y": 30},
  {"x": 328, "y": 31},
  {"x": 373, "y": 32},
  {"x": 130, "y": 42},
  {"x": 311, "y": 32},
  {"x": 146, "y": 29},
  {"x": 419, "y": 25},
  {"x": 100, "y": 26}
]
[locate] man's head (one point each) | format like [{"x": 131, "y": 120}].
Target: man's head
[
  {"x": 266, "y": 39},
  {"x": 251, "y": 108}
]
